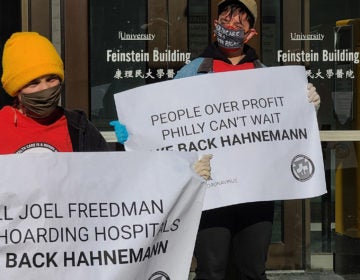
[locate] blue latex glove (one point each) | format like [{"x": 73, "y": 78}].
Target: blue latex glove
[{"x": 120, "y": 131}]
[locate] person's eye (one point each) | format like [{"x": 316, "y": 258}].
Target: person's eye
[
  {"x": 31, "y": 84},
  {"x": 52, "y": 79}
]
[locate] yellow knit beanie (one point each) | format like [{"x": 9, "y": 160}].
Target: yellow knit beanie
[{"x": 28, "y": 56}]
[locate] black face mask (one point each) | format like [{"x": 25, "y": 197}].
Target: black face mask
[
  {"x": 42, "y": 103},
  {"x": 229, "y": 38}
]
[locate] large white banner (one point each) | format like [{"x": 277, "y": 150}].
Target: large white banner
[
  {"x": 98, "y": 215},
  {"x": 257, "y": 123}
]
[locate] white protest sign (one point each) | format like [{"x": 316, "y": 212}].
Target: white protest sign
[
  {"x": 104, "y": 215},
  {"x": 257, "y": 123}
]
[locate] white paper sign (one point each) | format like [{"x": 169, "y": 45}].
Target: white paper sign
[
  {"x": 98, "y": 215},
  {"x": 257, "y": 123}
]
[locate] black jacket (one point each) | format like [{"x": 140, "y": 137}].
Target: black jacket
[{"x": 84, "y": 135}]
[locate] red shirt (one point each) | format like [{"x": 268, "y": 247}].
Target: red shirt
[
  {"x": 221, "y": 66},
  {"x": 19, "y": 134}
]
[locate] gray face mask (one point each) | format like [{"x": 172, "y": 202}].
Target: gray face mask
[
  {"x": 228, "y": 38},
  {"x": 42, "y": 103}
]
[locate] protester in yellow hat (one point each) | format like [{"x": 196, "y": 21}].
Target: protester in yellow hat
[
  {"x": 244, "y": 229},
  {"x": 33, "y": 73}
]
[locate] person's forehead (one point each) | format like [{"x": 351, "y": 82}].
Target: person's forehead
[
  {"x": 47, "y": 76},
  {"x": 43, "y": 78}
]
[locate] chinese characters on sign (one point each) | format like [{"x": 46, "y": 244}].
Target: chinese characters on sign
[
  {"x": 339, "y": 73},
  {"x": 149, "y": 74}
]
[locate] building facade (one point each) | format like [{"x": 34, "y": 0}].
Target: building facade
[{"x": 111, "y": 46}]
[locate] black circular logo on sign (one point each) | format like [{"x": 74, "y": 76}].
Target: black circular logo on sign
[
  {"x": 302, "y": 168},
  {"x": 159, "y": 275}
]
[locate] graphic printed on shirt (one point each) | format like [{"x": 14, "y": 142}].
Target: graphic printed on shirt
[{"x": 20, "y": 134}]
